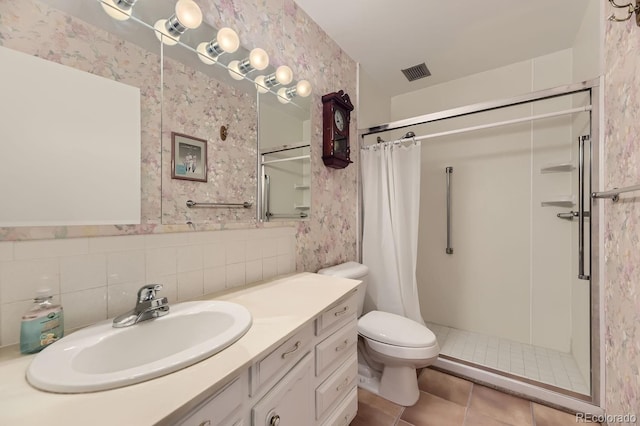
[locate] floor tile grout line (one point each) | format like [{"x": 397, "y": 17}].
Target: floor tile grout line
[{"x": 466, "y": 409}]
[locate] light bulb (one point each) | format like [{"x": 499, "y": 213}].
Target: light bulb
[
  {"x": 258, "y": 59},
  {"x": 303, "y": 88},
  {"x": 284, "y": 75},
  {"x": 261, "y": 85},
  {"x": 282, "y": 95},
  {"x": 188, "y": 13},
  {"x": 204, "y": 55},
  {"x": 115, "y": 11},
  {"x": 228, "y": 40},
  {"x": 163, "y": 35},
  {"x": 234, "y": 70}
]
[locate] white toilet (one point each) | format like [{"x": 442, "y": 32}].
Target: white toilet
[{"x": 391, "y": 347}]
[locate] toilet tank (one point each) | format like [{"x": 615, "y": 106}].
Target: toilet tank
[{"x": 354, "y": 271}]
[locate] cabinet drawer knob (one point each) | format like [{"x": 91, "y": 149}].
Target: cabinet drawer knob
[
  {"x": 342, "y": 385},
  {"x": 205, "y": 423},
  {"x": 292, "y": 350},
  {"x": 274, "y": 420},
  {"x": 342, "y": 346},
  {"x": 342, "y": 312}
]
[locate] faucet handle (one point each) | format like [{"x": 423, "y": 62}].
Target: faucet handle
[{"x": 148, "y": 292}]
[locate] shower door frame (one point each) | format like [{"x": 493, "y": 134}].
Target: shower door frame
[{"x": 593, "y": 403}]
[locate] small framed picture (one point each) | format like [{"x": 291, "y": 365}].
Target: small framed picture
[{"x": 188, "y": 157}]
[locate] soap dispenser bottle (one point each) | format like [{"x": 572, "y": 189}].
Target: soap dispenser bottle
[{"x": 42, "y": 324}]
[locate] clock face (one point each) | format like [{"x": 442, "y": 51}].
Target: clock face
[{"x": 339, "y": 119}]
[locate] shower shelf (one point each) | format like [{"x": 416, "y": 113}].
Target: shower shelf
[
  {"x": 297, "y": 186},
  {"x": 301, "y": 207},
  {"x": 559, "y": 201},
  {"x": 557, "y": 167}
]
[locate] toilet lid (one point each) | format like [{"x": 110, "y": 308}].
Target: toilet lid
[{"x": 395, "y": 330}]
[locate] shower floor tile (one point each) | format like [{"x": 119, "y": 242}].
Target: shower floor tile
[{"x": 536, "y": 363}]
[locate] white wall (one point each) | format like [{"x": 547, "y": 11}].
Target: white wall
[{"x": 374, "y": 106}]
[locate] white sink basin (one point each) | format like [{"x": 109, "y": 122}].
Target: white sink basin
[{"x": 101, "y": 357}]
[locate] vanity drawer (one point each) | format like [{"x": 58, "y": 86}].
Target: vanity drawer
[
  {"x": 284, "y": 356},
  {"x": 336, "y": 385},
  {"x": 337, "y": 314},
  {"x": 218, "y": 410},
  {"x": 345, "y": 412},
  {"x": 336, "y": 347}
]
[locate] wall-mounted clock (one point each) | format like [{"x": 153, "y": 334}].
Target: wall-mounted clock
[{"x": 336, "y": 116}]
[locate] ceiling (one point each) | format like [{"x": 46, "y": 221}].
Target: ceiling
[{"x": 454, "y": 38}]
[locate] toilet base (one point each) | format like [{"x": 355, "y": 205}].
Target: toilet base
[{"x": 396, "y": 384}]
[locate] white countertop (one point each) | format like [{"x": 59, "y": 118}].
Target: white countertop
[{"x": 278, "y": 307}]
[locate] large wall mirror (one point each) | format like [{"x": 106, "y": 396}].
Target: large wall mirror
[{"x": 179, "y": 94}]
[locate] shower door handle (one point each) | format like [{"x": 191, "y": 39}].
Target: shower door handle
[
  {"x": 265, "y": 198},
  {"x": 581, "y": 212},
  {"x": 448, "y": 170}
]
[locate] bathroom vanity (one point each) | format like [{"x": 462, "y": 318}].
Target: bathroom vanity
[{"x": 295, "y": 366}]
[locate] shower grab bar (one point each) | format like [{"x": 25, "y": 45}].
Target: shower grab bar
[
  {"x": 448, "y": 170},
  {"x": 300, "y": 215},
  {"x": 615, "y": 192},
  {"x": 581, "y": 212},
  {"x": 244, "y": 205},
  {"x": 266, "y": 197}
]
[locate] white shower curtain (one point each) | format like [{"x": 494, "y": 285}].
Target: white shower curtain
[{"x": 391, "y": 201}]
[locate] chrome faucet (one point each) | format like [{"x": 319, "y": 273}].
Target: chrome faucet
[{"x": 147, "y": 307}]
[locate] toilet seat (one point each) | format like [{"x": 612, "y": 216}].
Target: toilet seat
[{"x": 392, "y": 329}]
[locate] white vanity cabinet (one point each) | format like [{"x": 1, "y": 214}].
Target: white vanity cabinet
[
  {"x": 223, "y": 408},
  {"x": 308, "y": 379}
]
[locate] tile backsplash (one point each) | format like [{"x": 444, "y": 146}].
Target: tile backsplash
[{"x": 97, "y": 278}]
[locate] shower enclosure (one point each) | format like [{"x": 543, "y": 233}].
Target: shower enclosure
[{"x": 507, "y": 246}]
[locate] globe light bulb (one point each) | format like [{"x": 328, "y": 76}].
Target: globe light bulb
[
  {"x": 261, "y": 86},
  {"x": 188, "y": 13},
  {"x": 303, "y": 88},
  {"x": 259, "y": 59},
  {"x": 234, "y": 70},
  {"x": 115, "y": 11},
  {"x": 204, "y": 55},
  {"x": 282, "y": 96},
  {"x": 284, "y": 75},
  {"x": 162, "y": 34},
  {"x": 228, "y": 40}
]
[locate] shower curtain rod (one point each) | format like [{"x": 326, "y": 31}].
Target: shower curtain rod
[{"x": 491, "y": 125}]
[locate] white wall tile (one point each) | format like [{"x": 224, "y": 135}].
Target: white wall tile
[
  {"x": 117, "y": 243},
  {"x": 190, "y": 285},
  {"x": 161, "y": 261},
  {"x": 122, "y": 297},
  {"x": 269, "y": 267},
  {"x": 124, "y": 267},
  {"x": 236, "y": 252},
  {"x": 284, "y": 245},
  {"x": 10, "y": 322},
  {"x": 253, "y": 271},
  {"x": 6, "y": 251},
  {"x": 82, "y": 308},
  {"x": 189, "y": 258},
  {"x": 39, "y": 249},
  {"x": 206, "y": 237},
  {"x": 166, "y": 240},
  {"x": 215, "y": 279},
  {"x": 82, "y": 272},
  {"x": 285, "y": 264},
  {"x": 235, "y": 275},
  {"x": 169, "y": 286},
  {"x": 20, "y": 280},
  {"x": 214, "y": 255},
  {"x": 269, "y": 247},
  {"x": 253, "y": 250}
]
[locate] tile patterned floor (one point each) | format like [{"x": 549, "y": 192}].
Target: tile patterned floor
[
  {"x": 536, "y": 363},
  {"x": 451, "y": 401}
]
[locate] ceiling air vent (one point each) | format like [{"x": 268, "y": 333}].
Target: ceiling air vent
[{"x": 417, "y": 71}]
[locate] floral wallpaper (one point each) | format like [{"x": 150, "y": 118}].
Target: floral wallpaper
[
  {"x": 622, "y": 219},
  {"x": 288, "y": 35}
]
